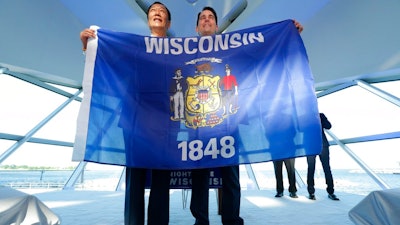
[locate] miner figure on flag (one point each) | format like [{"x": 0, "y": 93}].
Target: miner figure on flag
[{"x": 229, "y": 90}]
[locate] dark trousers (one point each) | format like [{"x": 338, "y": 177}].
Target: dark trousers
[
  {"x": 230, "y": 207},
  {"x": 289, "y": 164},
  {"x": 199, "y": 199},
  {"x": 158, "y": 209},
  {"x": 134, "y": 196},
  {"x": 135, "y": 181},
  {"x": 324, "y": 158},
  {"x": 230, "y": 210}
]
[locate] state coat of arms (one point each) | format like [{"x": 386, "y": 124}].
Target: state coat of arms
[{"x": 203, "y": 101}]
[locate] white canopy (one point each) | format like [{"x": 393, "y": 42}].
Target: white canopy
[{"x": 344, "y": 39}]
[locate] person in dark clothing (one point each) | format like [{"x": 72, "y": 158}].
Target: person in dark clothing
[
  {"x": 230, "y": 206},
  {"x": 135, "y": 183},
  {"x": 158, "y": 208},
  {"x": 200, "y": 199},
  {"x": 231, "y": 191},
  {"x": 324, "y": 158},
  {"x": 289, "y": 164},
  {"x": 159, "y": 18}
]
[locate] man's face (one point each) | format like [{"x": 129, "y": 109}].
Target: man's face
[
  {"x": 158, "y": 17},
  {"x": 207, "y": 24}
]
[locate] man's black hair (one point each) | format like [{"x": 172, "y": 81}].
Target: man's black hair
[
  {"x": 210, "y": 9},
  {"x": 169, "y": 14}
]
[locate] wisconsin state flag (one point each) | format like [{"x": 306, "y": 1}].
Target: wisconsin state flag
[{"x": 194, "y": 102}]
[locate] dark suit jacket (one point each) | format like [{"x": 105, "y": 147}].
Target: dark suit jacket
[{"x": 325, "y": 125}]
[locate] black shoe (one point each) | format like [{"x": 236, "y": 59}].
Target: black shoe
[
  {"x": 333, "y": 197},
  {"x": 278, "y": 195},
  {"x": 312, "y": 197},
  {"x": 293, "y": 195}
]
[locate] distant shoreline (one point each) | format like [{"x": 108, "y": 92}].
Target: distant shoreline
[
  {"x": 17, "y": 170},
  {"x": 379, "y": 171}
]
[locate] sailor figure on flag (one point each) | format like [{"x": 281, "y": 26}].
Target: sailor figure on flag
[{"x": 178, "y": 87}]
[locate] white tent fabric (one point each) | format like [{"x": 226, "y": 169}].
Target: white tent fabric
[
  {"x": 19, "y": 208},
  {"x": 338, "y": 45},
  {"x": 378, "y": 208}
]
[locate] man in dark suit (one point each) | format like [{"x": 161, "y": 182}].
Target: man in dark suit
[
  {"x": 324, "y": 157},
  {"x": 159, "y": 21},
  {"x": 230, "y": 204}
]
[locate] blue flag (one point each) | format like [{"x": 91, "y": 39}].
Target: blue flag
[{"x": 196, "y": 102}]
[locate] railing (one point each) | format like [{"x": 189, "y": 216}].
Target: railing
[
  {"x": 53, "y": 185},
  {"x": 35, "y": 185}
]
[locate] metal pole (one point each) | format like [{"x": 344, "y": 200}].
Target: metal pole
[
  {"x": 363, "y": 165},
  {"x": 379, "y": 92},
  {"x": 15, "y": 146}
]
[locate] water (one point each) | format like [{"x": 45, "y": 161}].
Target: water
[
  {"x": 96, "y": 179},
  {"x": 351, "y": 181},
  {"x": 345, "y": 180}
]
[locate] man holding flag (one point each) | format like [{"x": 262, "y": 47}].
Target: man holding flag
[
  {"x": 159, "y": 20},
  {"x": 207, "y": 21}
]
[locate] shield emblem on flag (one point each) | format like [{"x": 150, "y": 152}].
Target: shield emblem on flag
[
  {"x": 202, "y": 95},
  {"x": 203, "y": 100}
]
